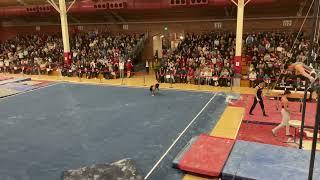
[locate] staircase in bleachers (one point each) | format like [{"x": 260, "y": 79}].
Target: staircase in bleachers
[
  {"x": 138, "y": 48},
  {"x": 244, "y": 66},
  {"x": 244, "y": 72}
]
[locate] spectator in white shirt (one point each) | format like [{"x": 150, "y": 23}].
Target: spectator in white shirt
[
  {"x": 147, "y": 66},
  {"x": 216, "y": 42},
  {"x": 252, "y": 78},
  {"x": 1, "y": 65},
  {"x": 121, "y": 68}
]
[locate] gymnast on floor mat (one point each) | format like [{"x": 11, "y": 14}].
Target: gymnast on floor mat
[{"x": 153, "y": 88}]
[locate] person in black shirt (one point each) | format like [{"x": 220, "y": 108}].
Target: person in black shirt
[{"x": 258, "y": 98}]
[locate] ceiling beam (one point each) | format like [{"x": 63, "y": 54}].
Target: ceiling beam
[
  {"x": 246, "y": 2},
  {"x": 234, "y": 2},
  {"x": 70, "y": 6},
  {"x": 54, "y": 5}
]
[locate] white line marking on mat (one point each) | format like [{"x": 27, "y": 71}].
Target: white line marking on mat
[{"x": 175, "y": 141}]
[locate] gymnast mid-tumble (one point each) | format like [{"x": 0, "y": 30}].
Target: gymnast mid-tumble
[{"x": 304, "y": 70}]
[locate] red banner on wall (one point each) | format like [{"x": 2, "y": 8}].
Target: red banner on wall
[{"x": 237, "y": 64}]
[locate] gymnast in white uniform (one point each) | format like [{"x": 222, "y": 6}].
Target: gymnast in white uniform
[{"x": 285, "y": 113}]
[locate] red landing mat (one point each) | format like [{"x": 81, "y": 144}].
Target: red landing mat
[
  {"x": 261, "y": 133},
  {"x": 275, "y": 115},
  {"x": 205, "y": 155}
]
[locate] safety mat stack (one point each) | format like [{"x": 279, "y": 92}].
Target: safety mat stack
[{"x": 10, "y": 86}]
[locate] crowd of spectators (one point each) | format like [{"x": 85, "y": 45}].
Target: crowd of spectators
[
  {"x": 92, "y": 53},
  {"x": 208, "y": 59},
  {"x": 200, "y": 59},
  {"x": 269, "y": 54}
]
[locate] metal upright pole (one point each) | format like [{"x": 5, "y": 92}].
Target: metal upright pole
[
  {"x": 239, "y": 36},
  {"x": 65, "y": 32},
  {"x": 303, "y": 114},
  {"x": 317, "y": 120},
  {"x": 315, "y": 137},
  {"x": 62, "y": 10},
  {"x": 312, "y": 40},
  {"x": 314, "y": 31}
]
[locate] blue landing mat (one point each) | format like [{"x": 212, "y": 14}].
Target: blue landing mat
[
  {"x": 67, "y": 126},
  {"x": 249, "y": 160}
]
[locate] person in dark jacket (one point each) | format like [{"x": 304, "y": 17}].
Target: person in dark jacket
[{"x": 258, "y": 98}]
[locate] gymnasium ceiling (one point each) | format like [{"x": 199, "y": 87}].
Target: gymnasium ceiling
[
  {"x": 281, "y": 8},
  {"x": 7, "y": 3}
]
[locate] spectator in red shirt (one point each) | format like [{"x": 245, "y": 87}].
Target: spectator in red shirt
[
  {"x": 129, "y": 68},
  {"x": 190, "y": 76}
]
